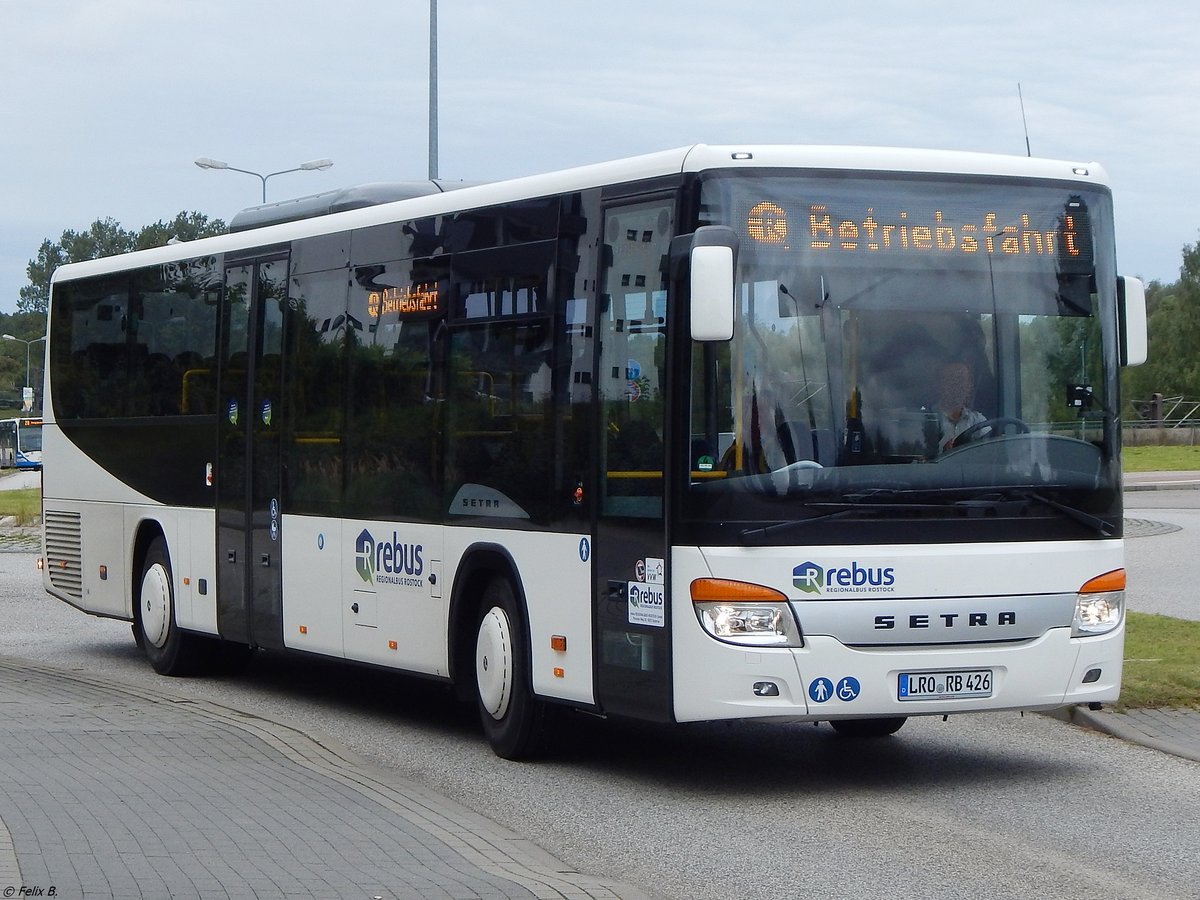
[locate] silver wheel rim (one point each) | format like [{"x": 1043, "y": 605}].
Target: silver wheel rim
[
  {"x": 493, "y": 663},
  {"x": 156, "y": 605}
]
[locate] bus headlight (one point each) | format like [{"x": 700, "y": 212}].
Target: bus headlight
[
  {"x": 1099, "y": 605},
  {"x": 748, "y": 614}
]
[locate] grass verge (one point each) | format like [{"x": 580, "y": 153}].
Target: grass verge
[
  {"x": 1161, "y": 459},
  {"x": 25, "y": 504},
  {"x": 1162, "y": 663}
]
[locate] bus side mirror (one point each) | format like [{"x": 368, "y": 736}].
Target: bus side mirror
[
  {"x": 713, "y": 261},
  {"x": 1131, "y": 302}
]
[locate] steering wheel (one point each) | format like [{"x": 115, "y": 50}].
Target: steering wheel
[{"x": 997, "y": 424}]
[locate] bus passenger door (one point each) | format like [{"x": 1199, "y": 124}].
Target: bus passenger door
[
  {"x": 632, "y": 625},
  {"x": 249, "y": 572}
]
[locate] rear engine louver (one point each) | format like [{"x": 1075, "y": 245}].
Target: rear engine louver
[{"x": 64, "y": 552}]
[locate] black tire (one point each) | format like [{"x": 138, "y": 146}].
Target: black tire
[
  {"x": 868, "y": 728},
  {"x": 170, "y": 650},
  {"x": 513, "y": 719}
]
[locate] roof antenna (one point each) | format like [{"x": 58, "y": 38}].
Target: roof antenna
[{"x": 1024, "y": 124}]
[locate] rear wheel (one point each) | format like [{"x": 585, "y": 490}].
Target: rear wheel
[
  {"x": 170, "y": 650},
  {"x": 868, "y": 728},
  {"x": 513, "y": 719}
]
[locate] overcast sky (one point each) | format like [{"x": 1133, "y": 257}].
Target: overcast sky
[{"x": 105, "y": 105}]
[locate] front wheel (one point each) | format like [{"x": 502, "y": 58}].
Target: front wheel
[
  {"x": 513, "y": 719},
  {"x": 868, "y": 728}
]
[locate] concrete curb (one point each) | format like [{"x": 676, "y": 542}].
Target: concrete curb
[
  {"x": 1163, "y": 486},
  {"x": 1120, "y": 726},
  {"x": 1161, "y": 481}
]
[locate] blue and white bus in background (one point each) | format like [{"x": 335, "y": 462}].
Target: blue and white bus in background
[
  {"x": 819, "y": 434},
  {"x": 21, "y": 443}
]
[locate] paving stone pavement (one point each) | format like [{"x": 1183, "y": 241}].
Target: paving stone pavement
[
  {"x": 105, "y": 792},
  {"x": 1174, "y": 731}
]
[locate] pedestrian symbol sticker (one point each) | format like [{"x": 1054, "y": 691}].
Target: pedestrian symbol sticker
[
  {"x": 848, "y": 689},
  {"x": 820, "y": 690}
]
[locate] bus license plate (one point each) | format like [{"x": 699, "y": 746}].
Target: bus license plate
[{"x": 945, "y": 685}]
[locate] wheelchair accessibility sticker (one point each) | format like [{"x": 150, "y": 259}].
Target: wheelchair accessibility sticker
[{"x": 822, "y": 689}]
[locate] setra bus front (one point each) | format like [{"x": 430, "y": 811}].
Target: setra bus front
[{"x": 902, "y": 491}]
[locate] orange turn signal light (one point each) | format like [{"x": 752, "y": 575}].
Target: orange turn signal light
[
  {"x": 723, "y": 589},
  {"x": 1109, "y": 581}
]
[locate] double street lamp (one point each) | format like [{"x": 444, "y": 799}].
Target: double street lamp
[{"x": 312, "y": 165}]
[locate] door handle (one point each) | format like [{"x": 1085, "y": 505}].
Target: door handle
[
  {"x": 266, "y": 560},
  {"x": 354, "y": 608},
  {"x": 231, "y": 556}
]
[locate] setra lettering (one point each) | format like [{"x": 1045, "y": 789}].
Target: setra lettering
[{"x": 920, "y": 621}]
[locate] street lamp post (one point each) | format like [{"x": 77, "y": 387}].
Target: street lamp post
[
  {"x": 28, "y": 344},
  {"x": 311, "y": 166},
  {"x": 433, "y": 92}
]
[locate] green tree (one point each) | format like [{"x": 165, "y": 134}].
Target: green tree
[
  {"x": 105, "y": 237},
  {"x": 186, "y": 226},
  {"x": 13, "y": 355},
  {"x": 1173, "y": 330}
]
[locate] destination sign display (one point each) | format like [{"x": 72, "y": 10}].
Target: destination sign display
[
  {"x": 422, "y": 299},
  {"x": 915, "y": 231}
]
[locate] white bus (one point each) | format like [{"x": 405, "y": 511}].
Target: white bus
[{"x": 660, "y": 438}]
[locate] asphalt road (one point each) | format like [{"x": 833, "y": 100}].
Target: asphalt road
[
  {"x": 1164, "y": 568},
  {"x": 12, "y": 480},
  {"x": 992, "y": 806}
]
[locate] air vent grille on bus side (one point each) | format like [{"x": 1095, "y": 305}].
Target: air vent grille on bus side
[{"x": 64, "y": 552}]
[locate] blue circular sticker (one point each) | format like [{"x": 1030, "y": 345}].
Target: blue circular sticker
[
  {"x": 848, "y": 689},
  {"x": 820, "y": 690}
]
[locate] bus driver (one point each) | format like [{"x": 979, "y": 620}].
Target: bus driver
[{"x": 955, "y": 387}]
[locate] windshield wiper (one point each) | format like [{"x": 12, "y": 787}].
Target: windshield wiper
[
  {"x": 856, "y": 503},
  {"x": 843, "y": 509},
  {"x": 1103, "y": 526}
]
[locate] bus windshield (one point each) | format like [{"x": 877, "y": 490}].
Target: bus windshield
[
  {"x": 906, "y": 344},
  {"x": 29, "y": 433}
]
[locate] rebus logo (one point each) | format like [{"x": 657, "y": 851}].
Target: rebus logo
[
  {"x": 813, "y": 579},
  {"x": 393, "y": 562},
  {"x": 364, "y": 556},
  {"x": 808, "y": 577}
]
